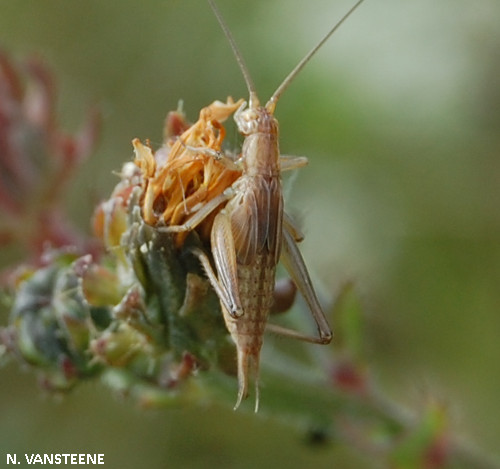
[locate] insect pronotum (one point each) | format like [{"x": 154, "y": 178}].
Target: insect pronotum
[{"x": 252, "y": 233}]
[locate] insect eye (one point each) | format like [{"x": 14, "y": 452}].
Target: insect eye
[{"x": 247, "y": 121}]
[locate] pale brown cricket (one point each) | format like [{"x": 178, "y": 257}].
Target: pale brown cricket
[{"x": 252, "y": 233}]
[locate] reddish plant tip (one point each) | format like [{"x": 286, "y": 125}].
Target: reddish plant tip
[
  {"x": 349, "y": 378},
  {"x": 69, "y": 369},
  {"x": 37, "y": 158},
  {"x": 283, "y": 296},
  {"x": 175, "y": 124},
  {"x": 437, "y": 454}
]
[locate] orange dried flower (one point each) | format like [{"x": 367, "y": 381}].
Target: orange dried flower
[{"x": 183, "y": 175}]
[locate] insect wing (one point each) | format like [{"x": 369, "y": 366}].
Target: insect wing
[
  {"x": 257, "y": 220},
  {"x": 275, "y": 219}
]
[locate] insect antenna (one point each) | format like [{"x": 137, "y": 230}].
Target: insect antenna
[
  {"x": 253, "y": 100},
  {"x": 271, "y": 104}
]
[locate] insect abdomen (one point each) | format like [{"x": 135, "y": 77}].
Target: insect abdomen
[{"x": 256, "y": 283}]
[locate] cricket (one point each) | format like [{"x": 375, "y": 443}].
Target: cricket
[{"x": 252, "y": 232}]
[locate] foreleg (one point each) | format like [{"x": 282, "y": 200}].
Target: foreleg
[{"x": 200, "y": 215}]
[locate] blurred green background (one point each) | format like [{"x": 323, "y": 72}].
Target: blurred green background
[{"x": 399, "y": 116}]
